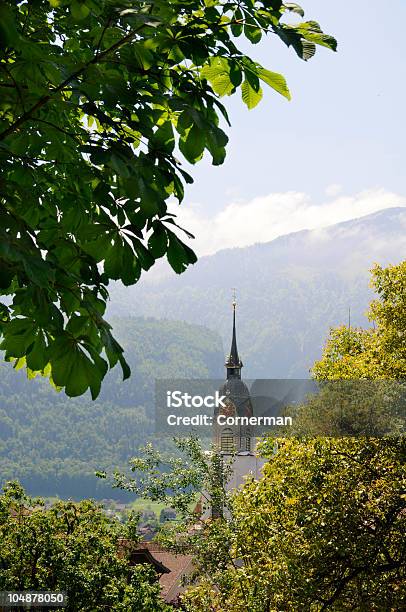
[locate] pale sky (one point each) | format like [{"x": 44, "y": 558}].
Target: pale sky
[{"x": 335, "y": 152}]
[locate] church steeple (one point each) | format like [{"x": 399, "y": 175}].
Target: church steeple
[{"x": 234, "y": 363}]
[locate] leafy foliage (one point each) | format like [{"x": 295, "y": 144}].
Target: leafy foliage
[
  {"x": 71, "y": 547},
  {"x": 324, "y": 528},
  {"x": 375, "y": 353},
  {"x": 352, "y": 408},
  {"x": 175, "y": 481},
  {"x": 194, "y": 475},
  {"x": 100, "y": 99}
]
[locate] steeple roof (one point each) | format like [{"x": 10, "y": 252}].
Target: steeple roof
[{"x": 234, "y": 363}]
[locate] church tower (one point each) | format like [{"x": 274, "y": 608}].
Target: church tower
[
  {"x": 236, "y": 442},
  {"x": 233, "y": 439}
]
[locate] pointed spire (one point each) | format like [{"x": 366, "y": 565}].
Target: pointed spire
[
  {"x": 234, "y": 358},
  {"x": 234, "y": 363}
]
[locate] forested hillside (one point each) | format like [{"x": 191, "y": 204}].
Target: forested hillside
[
  {"x": 53, "y": 444},
  {"x": 290, "y": 290}
]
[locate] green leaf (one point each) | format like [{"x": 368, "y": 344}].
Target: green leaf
[
  {"x": 178, "y": 188},
  {"x": 144, "y": 56},
  {"x": 77, "y": 325},
  {"x": 294, "y": 8},
  {"x": 252, "y": 31},
  {"x": 222, "y": 84},
  {"x": 131, "y": 268},
  {"x": 250, "y": 97},
  {"x": 79, "y": 10},
  {"x": 73, "y": 369},
  {"x": 18, "y": 144},
  {"x": 292, "y": 37},
  {"x": 217, "y": 72},
  {"x": 158, "y": 242},
  {"x": 251, "y": 74},
  {"x": 37, "y": 358},
  {"x": 312, "y": 32},
  {"x": 119, "y": 165},
  {"x": 184, "y": 122},
  {"x": 216, "y": 141},
  {"x": 18, "y": 337},
  {"x": 237, "y": 23},
  {"x": 307, "y": 49},
  {"x": 62, "y": 355},
  {"x": 98, "y": 248},
  {"x": 9, "y": 34},
  {"x": 124, "y": 367},
  {"x": 149, "y": 199},
  {"x": 176, "y": 54},
  {"x": 39, "y": 271},
  {"x": 113, "y": 261},
  {"x": 163, "y": 139},
  {"x": 145, "y": 257},
  {"x": 192, "y": 146},
  {"x": 6, "y": 276},
  {"x": 81, "y": 375},
  {"x": 179, "y": 254},
  {"x": 274, "y": 80},
  {"x": 114, "y": 352}
]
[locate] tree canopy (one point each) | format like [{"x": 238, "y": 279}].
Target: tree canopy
[
  {"x": 72, "y": 547},
  {"x": 352, "y": 408},
  {"x": 378, "y": 352},
  {"x": 362, "y": 371},
  {"x": 101, "y": 100},
  {"x": 323, "y": 529}
]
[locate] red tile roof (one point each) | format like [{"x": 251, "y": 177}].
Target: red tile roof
[{"x": 179, "y": 566}]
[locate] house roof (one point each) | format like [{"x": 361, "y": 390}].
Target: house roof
[
  {"x": 169, "y": 566},
  {"x": 178, "y": 566}
]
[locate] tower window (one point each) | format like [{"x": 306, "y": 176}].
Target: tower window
[{"x": 227, "y": 442}]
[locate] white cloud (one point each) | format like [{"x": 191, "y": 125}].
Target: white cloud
[
  {"x": 333, "y": 190},
  {"x": 265, "y": 218}
]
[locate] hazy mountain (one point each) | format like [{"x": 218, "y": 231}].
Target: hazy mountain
[
  {"x": 53, "y": 444},
  {"x": 290, "y": 290}
]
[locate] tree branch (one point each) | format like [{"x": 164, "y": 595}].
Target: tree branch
[{"x": 45, "y": 99}]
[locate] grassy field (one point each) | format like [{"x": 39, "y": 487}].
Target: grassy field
[{"x": 141, "y": 505}]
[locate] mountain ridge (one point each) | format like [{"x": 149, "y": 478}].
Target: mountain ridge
[
  {"x": 281, "y": 237},
  {"x": 291, "y": 290}
]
